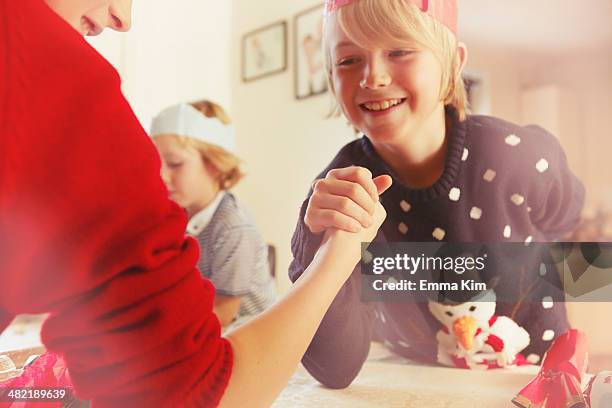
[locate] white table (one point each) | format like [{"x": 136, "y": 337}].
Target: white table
[{"x": 387, "y": 380}]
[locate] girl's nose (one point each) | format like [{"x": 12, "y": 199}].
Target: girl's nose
[
  {"x": 376, "y": 75},
  {"x": 120, "y": 15}
]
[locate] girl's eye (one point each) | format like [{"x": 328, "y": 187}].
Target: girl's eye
[
  {"x": 175, "y": 165},
  {"x": 472, "y": 308},
  {"x": 347, "y": 61},
  {"x": 400, "y": 53},
  {"x": 449, "y": 313}
]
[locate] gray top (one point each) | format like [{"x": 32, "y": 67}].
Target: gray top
[{"x": 234, "y": 257}]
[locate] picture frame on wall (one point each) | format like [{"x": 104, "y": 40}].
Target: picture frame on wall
[
  {"x": 264, "y": 51},
  {"x": 310, "y": 76}
]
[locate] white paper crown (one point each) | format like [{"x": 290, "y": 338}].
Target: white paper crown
[{"x": 185, "y": 120}]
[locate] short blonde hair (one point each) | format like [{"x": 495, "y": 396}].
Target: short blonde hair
[
  {"x": 226, "y": 163},
  {"x": 398, "y": 21}
]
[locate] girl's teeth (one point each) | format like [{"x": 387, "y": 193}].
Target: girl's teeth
[{"x": 377, "y": 106}]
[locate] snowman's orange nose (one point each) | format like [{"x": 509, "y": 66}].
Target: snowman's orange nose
[{"x": 464, "y": 329}]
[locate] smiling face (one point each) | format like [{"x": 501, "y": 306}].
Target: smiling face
[
  {"x": 91, "y": 17},
  {"x": 191, "y": 182},
  {"x": 387, "y": 90}
]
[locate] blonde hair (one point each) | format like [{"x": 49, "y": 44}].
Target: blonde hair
[
  {"x": 399, "y": 21},
  {"x": 226, "y": 163}
]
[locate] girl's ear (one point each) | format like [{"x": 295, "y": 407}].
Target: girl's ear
[
  {"x": 463, "y": 54},
  {"x": 212, "y": 170}
]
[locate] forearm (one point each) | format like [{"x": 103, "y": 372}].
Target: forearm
[
  {"x": 342, "y": 342},
  {"x": 226, "y": 308},
  {"x": 270, "y": 347}
]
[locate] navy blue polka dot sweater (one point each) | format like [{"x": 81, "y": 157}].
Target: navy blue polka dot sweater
[{"x": 501, "y": 182}]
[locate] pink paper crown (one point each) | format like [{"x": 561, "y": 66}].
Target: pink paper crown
[{"x": 445, "y": 11}]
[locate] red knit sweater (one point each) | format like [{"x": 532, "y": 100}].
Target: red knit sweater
[{"x": 87, "y": 231}]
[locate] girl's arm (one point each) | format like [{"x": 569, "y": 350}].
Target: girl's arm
[
  {"x": 226, "y": 308},
  {"x": 270, "y": 347},
  {"x": 342, "y": 342}
]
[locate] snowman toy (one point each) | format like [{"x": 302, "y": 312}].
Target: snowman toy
[{"x": 473, "y": 337}]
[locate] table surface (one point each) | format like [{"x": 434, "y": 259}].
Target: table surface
[{"x": 387, "y": 380}]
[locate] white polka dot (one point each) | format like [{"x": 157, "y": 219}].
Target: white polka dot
[
  {"x": 454, "y": 194},
  {"x": 542, "y": 165},
  {"x": 533, "y": 358},
  {"x": 489, "y": 175},
  {"x": 548, "y": 335},
  {"x": 528, "y": 240},
  {"x": 465, "y": 155},
  {"x": 439, "y": 234},
  {"x": 507, "y": 231},
  {"x": 403, "y": 228},
  {"x": 547, "y": 302},
  {"x": 528, "y": 209},
  {"x": 517, "y": 199},
  {"x": 405, "y": 205},
  {"x": 403, "y": 344},
  {"x": 513, "y": 140},
  {"x": 367, "y": 257},
  {"x": 542, "y": 269},
  {"x": 475, "y": 213}
]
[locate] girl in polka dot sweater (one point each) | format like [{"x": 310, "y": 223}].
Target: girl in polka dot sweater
[{"x": 395, "y": 70}]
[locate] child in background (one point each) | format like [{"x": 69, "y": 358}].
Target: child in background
[
  {"x": 196, "y": 145},
  {"x": 394, "y": 67}
]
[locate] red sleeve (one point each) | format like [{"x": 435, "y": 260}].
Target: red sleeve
[{"x": 87, "y": 231}]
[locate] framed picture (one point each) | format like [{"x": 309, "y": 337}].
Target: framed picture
[
  {"x": 310, "y": 76},
  {"x": 264, "y": 51}
]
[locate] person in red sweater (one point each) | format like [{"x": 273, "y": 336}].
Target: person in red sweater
[{"x": 88, "y": 234}]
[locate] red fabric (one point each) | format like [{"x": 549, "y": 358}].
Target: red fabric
[
  {"x": 445, "y": 11},
  {"x": 87, "y": 231},
  {"x": 495, "y": 342},
  {"x": 558, "y": 383}
]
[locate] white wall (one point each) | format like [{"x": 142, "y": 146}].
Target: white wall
[
  {"x": 176, "y": 51},
  {"x": 500, "y": 79},
  {"x": 284, "y": 142}
]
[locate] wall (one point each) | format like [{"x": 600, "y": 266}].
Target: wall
[
  {"x": 284, "y": 142},
  {"x": 501, "y": 81},
  {"x": 176, "y": 51}
]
